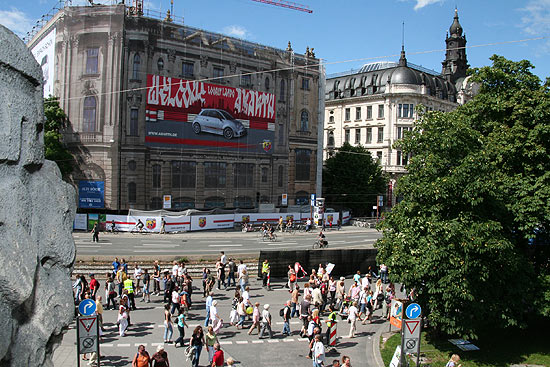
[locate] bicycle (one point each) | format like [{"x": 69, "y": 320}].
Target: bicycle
[
  {"x": 320, "y": 244},
  {"x": 290, "y": 230},
  {"x": 271, "y": 238}
]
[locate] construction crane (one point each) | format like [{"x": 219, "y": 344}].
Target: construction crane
[{"x": 286, "y": 4}]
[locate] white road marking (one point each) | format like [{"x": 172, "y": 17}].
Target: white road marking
[
  {"x": 241, "y": 342},
  {"x": 218, "y": 241},
  {"x": 156, "y": 245},
  {"x": 225, "y": 245},
  {"x": 106, "y": 345},
  {"x": 88, "y": 246},
  {"x": 156, "y": 344},
  {"x": 288, "y": 340},
  {"x": 153, "y": 251},
  {"x": 226, "y": 343},
  {"x": 272, "y": 341},
  {"x": 257, "y": 341},
  {"x": 123, "y": 345}
]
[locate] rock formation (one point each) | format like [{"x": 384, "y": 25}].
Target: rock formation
[{"x": 36, "y": 213}]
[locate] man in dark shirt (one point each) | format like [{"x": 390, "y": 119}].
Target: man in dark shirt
[
  {"x": 146, "y": 283},
  {"x": 305, "y": 312}
]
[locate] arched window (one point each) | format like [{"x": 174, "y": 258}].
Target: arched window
[
  {"x": 331, "y": 119},
  {"x": 183, "y": 203},
  {"x": 132, "y": 192},
  {"x": 137, "y": 62},
  {"x": 282, "y": 91},
  {"x": 89, "y": 114},
  {"x": 214, "y": 202},
  {"x": 330, "y": 138},
  {"x": 266, "y": 83},
  {"x": 156, "y": 203},
  {"x": 160, "y": 64},
  {"x": 304, "y": 121},
  {"x": 156, "y": 176}
]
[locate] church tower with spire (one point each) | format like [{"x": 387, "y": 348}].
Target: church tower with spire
[{"x": 456, "y": 63}]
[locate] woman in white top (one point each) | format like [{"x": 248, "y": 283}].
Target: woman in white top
[
  {"x": 353, "y": 314},
  {"x": 214, "y": 317}
]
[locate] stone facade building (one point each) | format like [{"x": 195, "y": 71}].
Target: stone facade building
[
  {"x": 375, "y": 105},
  {"x": 105, "y": 59}
]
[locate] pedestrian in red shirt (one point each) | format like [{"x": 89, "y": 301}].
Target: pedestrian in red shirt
[
  {"x": 94, "y": 286},
  {"x": 218, "y": 359}
]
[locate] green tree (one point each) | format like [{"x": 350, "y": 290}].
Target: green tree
[
  {"x": 54, "y": 149},
  {"x": 478, "y": 187},
  {"x": 352, "y": 179}
]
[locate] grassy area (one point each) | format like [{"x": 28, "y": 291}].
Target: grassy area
[{"x": 497, "y": 348}]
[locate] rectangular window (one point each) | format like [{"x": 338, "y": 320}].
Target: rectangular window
[
  {"x": 188, "y": 69},
  {"x": 303, "y": 164},
  {"x": 346, "y": 136},
  {"x": 348, "y": 114},
  {"x": 358, "y": 113},
  {"x": 379, "y": 156},
  {"x": 402, "y": 159},
  {"x": 218, "y": 73},
  {"x": 369, "y": 112},
  {"x": 405, "y": 110},
  {"x": 380, "y": 135},
  {"x": 156, "y": 176},
  {"x": 380, "y": 111},
  {"x": 92, "y": 55},
  {"x": 357, "y": 136},
  {"x": 184, "y": 174},
  {"x": 214, "y": 174},
  {"x": 398, "y": 160},
  {"x": 246, "y": 80},
  {"x": 305, "y": 83},
  {"x": 133, "y": 122},
  {"x": 401, "y": 131},
  {"x": 243, "y": 175},
  {"x": 369, "y": 135}
]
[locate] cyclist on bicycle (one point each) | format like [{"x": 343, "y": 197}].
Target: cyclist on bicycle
[
  {"x": 322, "y": 240},
  {"x": 113, "y": 226},
  {"x": 270, "y": 231},
  {"x": 140, "y": 225},
  {"x": 289, "y": 223}
]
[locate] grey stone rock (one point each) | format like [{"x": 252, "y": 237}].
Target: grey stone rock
[{"x": 37, "y": 209}]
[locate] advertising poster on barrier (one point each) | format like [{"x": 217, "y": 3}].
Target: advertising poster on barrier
[
  {"x": 80, "y": 222},
  {"x": 91, "y": 194},
  {"x": 345, "y": 217},
  {"x": 202, "y": 222},
  {"x": 331, "y": 219},
  {"x": 179, "y": 223},
  {"x": 121, "y": 223},
  {"x": 197, "y": 115}
]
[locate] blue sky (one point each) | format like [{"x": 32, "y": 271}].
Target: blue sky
[{"x": 357, "y": 29}]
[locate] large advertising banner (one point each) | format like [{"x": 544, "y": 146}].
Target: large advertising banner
[
  {"x": 201, "y": 222},
  {"x": 179, "y": 223},
  {"x": 44, "y": 53},
  {"x": 198, "y": 115},
  {"x": 91, "y": 194}
]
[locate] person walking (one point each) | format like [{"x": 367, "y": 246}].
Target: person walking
[
  {"x": 175, "y": 301},
  {"x": 318, "y": 352},
  {"x": 160, "y": 358},
  {"x": 234, "y": 316},
  {"x": 215, "y": 318},
  {"x": 231, "y": 269},
  {"x": 111, "y": 293},
  {"x": 294, "y": 301},
  {"x": 156, "y": 278},
  {"x": 286, "y": 319},
  {"x": 168, "y": 329},
  {"x": 138, "y": 272},
  {"x": 353, "y": 314},
  {"x": 241, "y": 311},
  {"x": 218, "y": 358},
  {"x": 265, "y": 272},
  {"x": 266, "y": 322},
  {"x": 122, "y": 319},
  {"x": 291, "y": 279},
  {"x": 146, "y": 295},
  {"x": 129, "y": 287},
  {"x": 197, "y": 341},
  {"x": 255, "y": 318},
  {"x": 181, "y": 329},
  {"x": 142, "y": 358},
  {"x": 211, "y": 339},
  {"x": 243, "y": 280},
  {"x": 208, "y": 304},
  {"x": 95, "y": 233},
  {"x": 162, "y": 226},
  {"x": 220, "y": 274}
]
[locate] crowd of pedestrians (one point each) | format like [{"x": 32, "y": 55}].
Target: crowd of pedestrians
[{"x": 317, "y": 304}]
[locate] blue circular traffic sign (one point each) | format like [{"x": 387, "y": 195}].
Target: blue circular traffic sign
[
  {"x": 413, "y": 311},
  {"x": 87, "y": 307}
]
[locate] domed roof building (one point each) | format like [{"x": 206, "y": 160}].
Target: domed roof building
[{"x": 375, "y": 105}]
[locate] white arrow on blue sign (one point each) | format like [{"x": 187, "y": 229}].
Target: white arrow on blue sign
[
  {"x": 87, "y": 307},
  {"x": 413, "y": 311}
]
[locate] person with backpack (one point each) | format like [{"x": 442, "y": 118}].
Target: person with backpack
[
  {"x": 285, "y": 314},
  {"x": 142, "y": 358},
  {"x": 232, "y": 269}
]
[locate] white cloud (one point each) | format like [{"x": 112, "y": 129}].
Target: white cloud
[
  {"x": 236, "y": 31},
  {"x": 422, "y": 3},
  {"x": 536, "y": 19},
  {"x": 17, "y": 21}
]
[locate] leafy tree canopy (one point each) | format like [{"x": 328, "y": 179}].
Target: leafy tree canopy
[
  {"x": 54, "y": 150},
  {"x": 478, "y": 187},
  {"x": 352, "y": 179}
]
